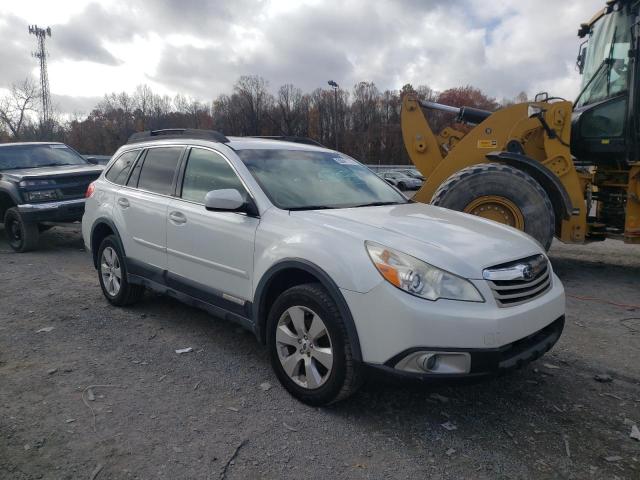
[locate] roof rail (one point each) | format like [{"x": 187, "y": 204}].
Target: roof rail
[
  {"x": 178, "y": 133},
  {"x": 292, "y": 138}
]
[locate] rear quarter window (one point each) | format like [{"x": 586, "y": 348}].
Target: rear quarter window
[{"x": 120, "y": 169}]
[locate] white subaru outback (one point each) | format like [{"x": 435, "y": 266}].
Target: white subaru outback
[{"x": 331, "y": 267}]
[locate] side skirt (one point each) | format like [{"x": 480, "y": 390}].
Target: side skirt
[{"x": 191, "y": 294}]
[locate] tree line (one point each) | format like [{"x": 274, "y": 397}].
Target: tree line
[{"x": 363, "y": 122}]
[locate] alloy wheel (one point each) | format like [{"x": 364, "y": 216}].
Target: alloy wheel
[
  {"x": 304, "y": 347},
  {"x": 111, "y": 271}
]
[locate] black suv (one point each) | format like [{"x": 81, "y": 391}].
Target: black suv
[{"x": 41, "y": 183}]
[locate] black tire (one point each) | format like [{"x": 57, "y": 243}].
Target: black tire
[
  {"x": 402, "y": 186},
  {"x": 22, "y": 236},
  {"x": 127, "y": 293},
  {"x": 476, "y": 181},
  {"x": 345, "y": 376}
]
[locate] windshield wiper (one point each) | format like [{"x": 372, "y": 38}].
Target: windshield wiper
[
  {"x": 310, "y": 207},
  {"x": 377, "y": 204},
  {"x": 591, "y": 80},
  {"x": 608, "y": 62}
]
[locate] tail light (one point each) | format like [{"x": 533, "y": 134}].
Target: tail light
[{"x": 90, "y": 189}]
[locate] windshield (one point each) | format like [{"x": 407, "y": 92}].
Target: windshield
[
  {"x": 607, "y": 59},
  {"x": 33, "y": 156},
  {"x": 309, "y": 180}
]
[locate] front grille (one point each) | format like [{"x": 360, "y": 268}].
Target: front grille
[{"x": 518, "y": 282}]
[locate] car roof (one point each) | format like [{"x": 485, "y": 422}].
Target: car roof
[{"x": 18, "y": 144}]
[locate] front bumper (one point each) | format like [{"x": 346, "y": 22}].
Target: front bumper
[
  {"x": 391, "y": 323},
  {"x": 485, "y": 362},
  {"x": 59, "y": 211}
]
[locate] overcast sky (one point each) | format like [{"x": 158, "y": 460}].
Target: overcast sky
[{"x": 200, "y": 47}]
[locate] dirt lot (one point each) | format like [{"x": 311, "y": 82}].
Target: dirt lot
[{"x": 160, "y": 415}]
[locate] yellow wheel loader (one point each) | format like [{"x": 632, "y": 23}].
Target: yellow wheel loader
[{"x": 548, "y": 167}]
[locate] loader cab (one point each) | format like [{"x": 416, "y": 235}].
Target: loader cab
[{"x": 604, "y": 128}]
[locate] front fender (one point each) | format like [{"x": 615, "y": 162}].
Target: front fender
[
  {"x": 260, "y": 314},
  {"x": 338, "y": 252}
]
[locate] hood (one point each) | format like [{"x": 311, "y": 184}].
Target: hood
[
  {"x": 459, "y": 243},
  {"x": 48, "y": 172}
]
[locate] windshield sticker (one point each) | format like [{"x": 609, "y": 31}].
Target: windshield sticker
[
  {"x": 345, "y": 161},
  {"x": 57, "y": 146}
]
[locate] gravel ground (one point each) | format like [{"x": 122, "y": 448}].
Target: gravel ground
[{"x": 218, "y": 412}]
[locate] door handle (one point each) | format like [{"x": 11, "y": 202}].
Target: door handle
[
  {"x": 123, "y": 202},
  {"x": 177, "y": 217}
]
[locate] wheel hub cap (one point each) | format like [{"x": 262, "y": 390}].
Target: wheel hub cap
[
  {"x": 110, "y": 271},
  {"x": 304, "y": 347}
]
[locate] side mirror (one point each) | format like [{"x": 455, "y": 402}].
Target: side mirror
[
  {"x": 581, "y": 59},
  {"x": 92, "y": 160},
  {"x": 224, "y": 200}
]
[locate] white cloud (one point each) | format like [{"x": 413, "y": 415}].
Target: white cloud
[{"x": 199, "y": 47}]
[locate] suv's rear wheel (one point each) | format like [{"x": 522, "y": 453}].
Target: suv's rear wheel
[
  {"x": 112, "y": 272},
  {"x": 22, "y": 236},
  {"x": 309, "y": 347}
]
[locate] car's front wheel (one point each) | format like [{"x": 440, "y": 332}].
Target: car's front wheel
[
  {"x": 309, "y": 346},
  {"x": 112, "y": 272},
  {"x": 22, "y": 235}
]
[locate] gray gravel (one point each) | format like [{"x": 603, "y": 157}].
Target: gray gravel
[{"x": 162, "y": 415}]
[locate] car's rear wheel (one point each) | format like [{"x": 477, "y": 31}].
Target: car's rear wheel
[
  {"x": 112, "y": 272},
  {"x": 22, "y": 235},
  {"x": 309, "y": 346}
]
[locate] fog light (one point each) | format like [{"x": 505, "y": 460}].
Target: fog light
[
  {"x": 443, "y": 363},
  {"x": 429, "y": 362}
]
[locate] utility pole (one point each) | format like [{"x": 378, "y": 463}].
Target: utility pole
[
  {"x": 41, "y": 54},
  {"x": 335, "y": 87}
]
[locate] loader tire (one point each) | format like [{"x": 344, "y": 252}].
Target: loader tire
[{"x": 503, "y": 194}]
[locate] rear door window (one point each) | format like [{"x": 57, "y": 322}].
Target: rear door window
[
  {"x": 159, "y": 169},
  {"x": 119, "y": 171}
]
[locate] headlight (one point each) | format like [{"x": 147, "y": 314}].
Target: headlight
[
  {"x": 41, "y": 195},
  {"x": 419, "y": 278}
]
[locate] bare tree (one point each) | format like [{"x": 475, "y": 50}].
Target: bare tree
[
  {"x": 192, "y": 108},
  {"x": 255, "y": 101},
  {"x": 143, "y": 100},
  {"x": 290, "y": 109},
  {"x": 15, "y": 106}
]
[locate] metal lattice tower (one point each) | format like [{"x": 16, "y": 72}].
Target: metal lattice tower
[{"x": 41, "y": 54}]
